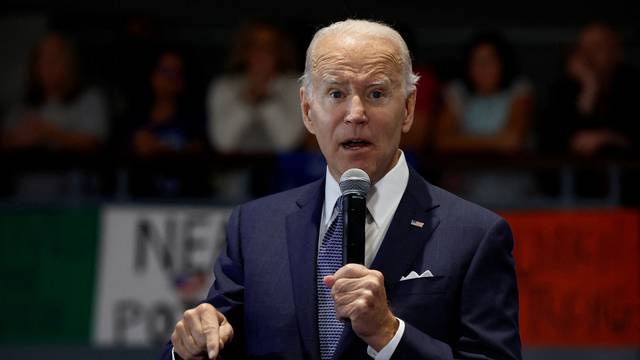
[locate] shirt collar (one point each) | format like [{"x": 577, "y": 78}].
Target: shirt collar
[{"x": 383, "y": 197}]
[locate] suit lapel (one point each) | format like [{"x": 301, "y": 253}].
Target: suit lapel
[
  {"x": 302, "y": 241},
  {"x": 402, "y": 243}
]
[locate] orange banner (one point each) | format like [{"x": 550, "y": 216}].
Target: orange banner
[{"x": 578, "y": 276}]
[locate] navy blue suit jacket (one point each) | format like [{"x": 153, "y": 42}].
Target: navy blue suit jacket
[{"x": 266, "y": 282}]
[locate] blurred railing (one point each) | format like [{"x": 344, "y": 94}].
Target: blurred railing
[
  {"x": 556, "y": 177},
  {"x": 115, "y": 177}
]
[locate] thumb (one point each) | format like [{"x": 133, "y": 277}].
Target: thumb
[{"x": 329, "y": 280}]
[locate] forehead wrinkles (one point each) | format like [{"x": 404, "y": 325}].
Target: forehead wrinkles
[
  {"x": 344, "y": 71},
  {"x": 347, "y": 56}
]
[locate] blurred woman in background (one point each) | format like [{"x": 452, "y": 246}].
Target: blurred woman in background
[
  {"x": 58, "y": 116},
  {"x": 167, "y": 133},
  {"x": 489, "y": 110},
  {"x": 255, "y": 107},
  {"x": 165, "y": 126},
  {"x": 58, "y": 112}
]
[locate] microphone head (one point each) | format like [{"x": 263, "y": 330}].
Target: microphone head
[{"x": 355, "y": 181}]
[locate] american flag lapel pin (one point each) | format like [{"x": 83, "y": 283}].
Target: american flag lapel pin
[{"x": 416, "y": 223}]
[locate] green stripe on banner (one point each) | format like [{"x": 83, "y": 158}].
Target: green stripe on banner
[{"x": 47, "y": 262}]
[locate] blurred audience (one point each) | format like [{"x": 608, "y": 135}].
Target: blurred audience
[
  {"x": 594, "y": 105},
  {"x": 255, "y": 107},
  {"x": 252, "y": 110},
  {"x": 488, "y": 110},
  {"x": 58, "y": 112}
]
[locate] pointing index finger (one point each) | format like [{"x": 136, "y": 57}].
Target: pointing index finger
[{"x": 210, "y": 328}]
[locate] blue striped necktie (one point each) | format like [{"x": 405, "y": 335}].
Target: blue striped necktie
[{"x": 329, "y": 261}]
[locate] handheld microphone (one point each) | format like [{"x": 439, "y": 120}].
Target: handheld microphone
[{"x": 354, "y": 185}]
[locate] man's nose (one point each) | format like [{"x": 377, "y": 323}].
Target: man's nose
[{"x": 356, "y": 112}]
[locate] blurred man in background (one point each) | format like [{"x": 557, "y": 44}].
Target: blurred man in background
[{"x": 591, "y": 111}]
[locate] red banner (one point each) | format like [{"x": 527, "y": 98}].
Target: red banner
[{"x": 578, "y": 276}]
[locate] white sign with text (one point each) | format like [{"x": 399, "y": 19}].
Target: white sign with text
[{"x": 155, "y": 262}]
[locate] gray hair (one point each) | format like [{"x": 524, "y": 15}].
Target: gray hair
[{"x": 410, "y": 80}]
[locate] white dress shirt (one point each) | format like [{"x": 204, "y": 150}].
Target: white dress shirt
[{"x": 382, "y": 202}]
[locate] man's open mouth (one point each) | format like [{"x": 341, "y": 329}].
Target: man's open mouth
[{"x": 355, "y": 144}]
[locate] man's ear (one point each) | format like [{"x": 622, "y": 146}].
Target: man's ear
[
  {"x": 410, "y": 105},
  {"x": 305, "y": 106}
]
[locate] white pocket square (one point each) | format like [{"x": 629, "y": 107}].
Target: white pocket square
[{"x": 414, "y": 275}]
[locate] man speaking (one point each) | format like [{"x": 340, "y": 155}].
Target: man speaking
[{"x": 438, "y": 280}]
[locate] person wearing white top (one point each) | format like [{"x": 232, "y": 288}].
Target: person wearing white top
[{"x": 255, "y": 109}]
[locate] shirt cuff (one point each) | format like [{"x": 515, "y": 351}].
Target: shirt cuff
[{"x": 388, "y": 350}]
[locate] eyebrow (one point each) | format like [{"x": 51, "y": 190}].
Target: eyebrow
[
  {"x": 383, "y": 81},
  {"x": 331, "y": 79}
]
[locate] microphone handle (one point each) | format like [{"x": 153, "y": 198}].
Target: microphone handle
[{"x": 355, "y": 213}]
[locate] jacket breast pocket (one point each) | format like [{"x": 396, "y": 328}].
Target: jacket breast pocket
[{"x": 421, "y": 286}]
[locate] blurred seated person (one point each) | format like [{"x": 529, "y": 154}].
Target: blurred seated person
[
  {"x": 58, "y": 116},
  {"x": 593, "y": 111},
  {"x": 166, "y": 129},
  {"x": 58, "y": 113},
  {"x": 489, "y": 110},
  {"x": 593, "y": 107},
  {"x": 254, "y": 109}
]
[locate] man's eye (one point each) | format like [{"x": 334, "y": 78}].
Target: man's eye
[
  {"x": 377, "y": 94},
  {"x": 336, "y": 94}
]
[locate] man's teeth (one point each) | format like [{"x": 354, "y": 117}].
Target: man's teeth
[{"x": 355, "y": 143}]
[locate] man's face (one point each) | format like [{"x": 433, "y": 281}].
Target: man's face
[{"x": 358, "y": 107}]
